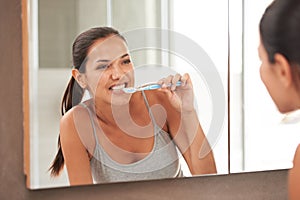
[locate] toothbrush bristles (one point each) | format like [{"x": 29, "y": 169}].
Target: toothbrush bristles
[{"x": 129, "y": 90}]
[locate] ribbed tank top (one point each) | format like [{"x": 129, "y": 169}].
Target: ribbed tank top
[{"x": 161, "y": 162}]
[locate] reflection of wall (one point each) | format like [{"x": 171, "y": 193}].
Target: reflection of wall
[
  {"x": 59, "y": 24},
  {"x": 56, "y": 32},
  {"x": 90, "y": 13},
  {"x": 148, "y": 14},
  {"x": 61, "y": 21},
  {"x": 128, "y": 15},
  {"x": 52, "y": 83}
]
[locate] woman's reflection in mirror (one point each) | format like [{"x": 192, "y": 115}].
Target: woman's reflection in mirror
[
  {"x": 114, "y": 136},
  {"x": 279, "y": 51}
]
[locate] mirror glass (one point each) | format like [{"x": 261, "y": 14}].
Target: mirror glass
[{"x": 164, "y": 37}]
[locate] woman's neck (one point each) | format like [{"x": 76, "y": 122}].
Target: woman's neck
[
  {"x": 114, "y": 115},
  {"x": 131, "y": 118}
]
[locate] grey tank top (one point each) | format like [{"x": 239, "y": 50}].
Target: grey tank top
[{"x": 161, "y": 162}]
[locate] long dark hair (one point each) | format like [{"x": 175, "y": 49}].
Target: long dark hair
[
  {"x": 279, "y": 30},
  {"x": 74, "y": 93}
]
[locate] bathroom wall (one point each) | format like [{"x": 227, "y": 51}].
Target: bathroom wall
[{"x": 258, "y": 185}]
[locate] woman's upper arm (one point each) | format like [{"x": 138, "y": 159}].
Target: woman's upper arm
[
  {"x": 75, "y": 154},
  {"x": 294, "y": 177}
]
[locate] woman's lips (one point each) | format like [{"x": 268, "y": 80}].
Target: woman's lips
[{"x": 118, "y": 87}]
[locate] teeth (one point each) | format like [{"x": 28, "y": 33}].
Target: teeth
[{"x": 118, "y": 87}]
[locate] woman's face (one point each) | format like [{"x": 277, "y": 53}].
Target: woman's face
[
  {"x": 108, "y": 70},
  {"x": 270, "y": 75}
]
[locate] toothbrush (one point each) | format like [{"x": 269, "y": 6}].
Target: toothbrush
[{"x": 149, "y": 86}]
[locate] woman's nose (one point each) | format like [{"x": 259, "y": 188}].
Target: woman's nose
[{"x": 116, "y": 71}]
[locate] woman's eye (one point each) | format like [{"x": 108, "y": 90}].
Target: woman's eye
[
  {"x": 102, "y": 67},
  {"x": 127, "y": 61}
]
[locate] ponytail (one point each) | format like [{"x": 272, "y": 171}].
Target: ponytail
[
  {"x": 58, "y": 162},
  {"x": 72, "y": 96}
]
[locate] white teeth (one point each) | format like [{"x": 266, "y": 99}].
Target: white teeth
[{"x": 118, "y": 87}]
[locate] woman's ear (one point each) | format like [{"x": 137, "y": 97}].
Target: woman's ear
[
  {"x": 283, "y": 69},
  {"x": 80, "y": 78}
]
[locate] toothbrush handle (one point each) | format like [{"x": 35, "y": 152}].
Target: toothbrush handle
[
  {"x": 157, "y": 86},
  {"x": 178, "y": 83}
]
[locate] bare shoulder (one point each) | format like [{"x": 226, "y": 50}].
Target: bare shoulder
[
  {"x": 297, "y": 156},
  {"x": 69, "y": 117},
  {"x": 294, "y": 177},
  {"x": 73, "y": 122},
  {"x": 76, "y": 127}
]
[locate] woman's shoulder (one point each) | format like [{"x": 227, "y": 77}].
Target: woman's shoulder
[
  {"x": 294, "y": 176},
  {"x": 76, "y": 113},
  {"x": 76, "y": 125},
  {"x": 297, "y": 156}
]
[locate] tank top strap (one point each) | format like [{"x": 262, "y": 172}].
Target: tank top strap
[
  {"x": 92, "y": 122},
  {"x": 149, "y": 110}
]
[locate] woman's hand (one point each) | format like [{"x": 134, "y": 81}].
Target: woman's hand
[{"x": 181, "y": 97}]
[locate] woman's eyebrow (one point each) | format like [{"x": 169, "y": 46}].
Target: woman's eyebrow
[
  {"x": 105, "y": 60},
  {"x": 126, "y": 54}
]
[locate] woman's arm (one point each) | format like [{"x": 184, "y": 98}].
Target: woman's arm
[
  {"x": 184, "y": 126},
  {"x": 75, "y": 154},
  {"x": 191, "y": 141},
  {"x": 294, "y": 177}
]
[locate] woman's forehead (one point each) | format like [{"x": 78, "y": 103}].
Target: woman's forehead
[{"x": 109, "y": 48}]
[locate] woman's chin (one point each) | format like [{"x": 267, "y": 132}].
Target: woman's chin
[{"x": 119, "y": 97}]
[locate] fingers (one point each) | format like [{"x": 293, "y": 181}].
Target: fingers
[
  {"x": 174, "y": 80},
  {"x": 171, "y": 81},
  {"x": 185, "y": 79}
]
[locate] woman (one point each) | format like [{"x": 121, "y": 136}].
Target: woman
[
  {"x": 115, "y": 136},
  {"x": 279, "y": 51}
]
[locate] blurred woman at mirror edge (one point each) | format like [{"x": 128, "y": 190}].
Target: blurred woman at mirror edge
[
  {"x": 114, "y": 136},
  {"x": 279, "y": 52}
]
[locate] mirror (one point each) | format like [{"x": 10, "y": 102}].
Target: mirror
[{"x": 171, "y": 41}]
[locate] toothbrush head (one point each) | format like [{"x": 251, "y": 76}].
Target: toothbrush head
[{"x": 129, "y": 90}]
